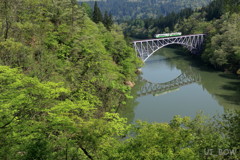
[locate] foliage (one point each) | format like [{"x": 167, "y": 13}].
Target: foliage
[
  {"x": 214, "y": 10},
  {"x": 38, "y": 121},
  {"x": 146, "y": 28},
  {"x": 233, "y": 5},
  {"x": 87, "y": 9},
  {"x": 41, "y": 120},
  {"x": 97, "y": 15},
  {"x": 215, "y": 20},
  {"x": 222, "y": 50},
  {"x": 62, "y": 79},
  {"x": 222, "y": 29},
  {"x": 107, "y": 20},
  {"x": 185, "y": 21},
  {"x": 141, "y": 9},
  {"x": 57, "y": 41}
]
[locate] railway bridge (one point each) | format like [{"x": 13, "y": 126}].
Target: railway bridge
[{"x": 146, "y": 48}]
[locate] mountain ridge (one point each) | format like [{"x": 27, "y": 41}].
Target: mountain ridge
[{"x": 134, "y": 9}]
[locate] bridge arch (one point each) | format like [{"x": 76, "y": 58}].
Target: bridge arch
[
  {"x": 161, "y": 88},
  {"x": 146, "y": 48}
]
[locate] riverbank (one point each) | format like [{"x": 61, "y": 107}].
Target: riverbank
[{"x": 207, "y": 90}]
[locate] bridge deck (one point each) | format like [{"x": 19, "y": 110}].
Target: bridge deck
[
  {"x": 144, "y": 40},
  {"x": 145, "y": 48}
]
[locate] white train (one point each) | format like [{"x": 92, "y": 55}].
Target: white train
[{"x": 168, "y": 35}]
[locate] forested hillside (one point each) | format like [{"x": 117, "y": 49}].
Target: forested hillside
[
  {"x": 59, "y": 71},
  {"x": 221, "y": 24},
  {"x": 219, "y": 20},
  {"x": 62, "y": 79},
  {"x": 146, "y": 28},
  {"x": 132, "y": 9},
  {"x": 57, "y": 41}
]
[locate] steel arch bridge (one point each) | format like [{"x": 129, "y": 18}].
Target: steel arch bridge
[
  {"x": 161, "y": 88},
  {"x": 146, "y": 48}
]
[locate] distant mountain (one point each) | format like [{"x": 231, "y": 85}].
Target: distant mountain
[{"x": 132, "y": 9}]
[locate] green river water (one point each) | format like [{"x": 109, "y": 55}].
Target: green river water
[{"x": 194, "y": 87}]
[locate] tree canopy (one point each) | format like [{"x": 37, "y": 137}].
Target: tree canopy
[
  {"x": 62, "y": 79},
  {"x": 141, "y": 9}
]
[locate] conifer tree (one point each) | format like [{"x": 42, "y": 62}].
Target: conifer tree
[
  {"x": 107, "y": 20},
  {"x": 97, "y": 15}
]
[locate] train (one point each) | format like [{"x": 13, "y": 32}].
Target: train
[
  {"x": 168, "y": 35},
  {"x": 165, "y": 92}
]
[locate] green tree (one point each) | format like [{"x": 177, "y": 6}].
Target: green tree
[
  {"x": 97, "y": 15},
  {"x": 215, "y": 9},
  {"x": 223, "y": 50},
  {"x": 233, "y": 5},
  {"x": 87, "y": 9},
  {"x": 24, "y": 102},
  {"x": 107, "y": 20},
  {"x": 38, "y": 121}
]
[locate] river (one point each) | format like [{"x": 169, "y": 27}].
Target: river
[{"x": 174, "y": 83}]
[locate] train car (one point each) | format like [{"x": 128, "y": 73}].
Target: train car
[{"x": 168, "y": 35}]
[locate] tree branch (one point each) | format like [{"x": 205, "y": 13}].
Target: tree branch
[
  {"x": 86, "y": 153},
  {"x": 7, "y": 124}
]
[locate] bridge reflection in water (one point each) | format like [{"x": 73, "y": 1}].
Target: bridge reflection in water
[{"x": 157, "y": 89}]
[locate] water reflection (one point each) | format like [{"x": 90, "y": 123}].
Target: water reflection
[
  {"x": 173, "y": 83},
  {"x": 157, "y": 89}
]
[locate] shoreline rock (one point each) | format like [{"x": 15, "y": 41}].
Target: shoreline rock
[
  {"x": 238, "y": 71},
  {"x": 138, "y": 71},
  {"x": 129, "y": 83}
]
